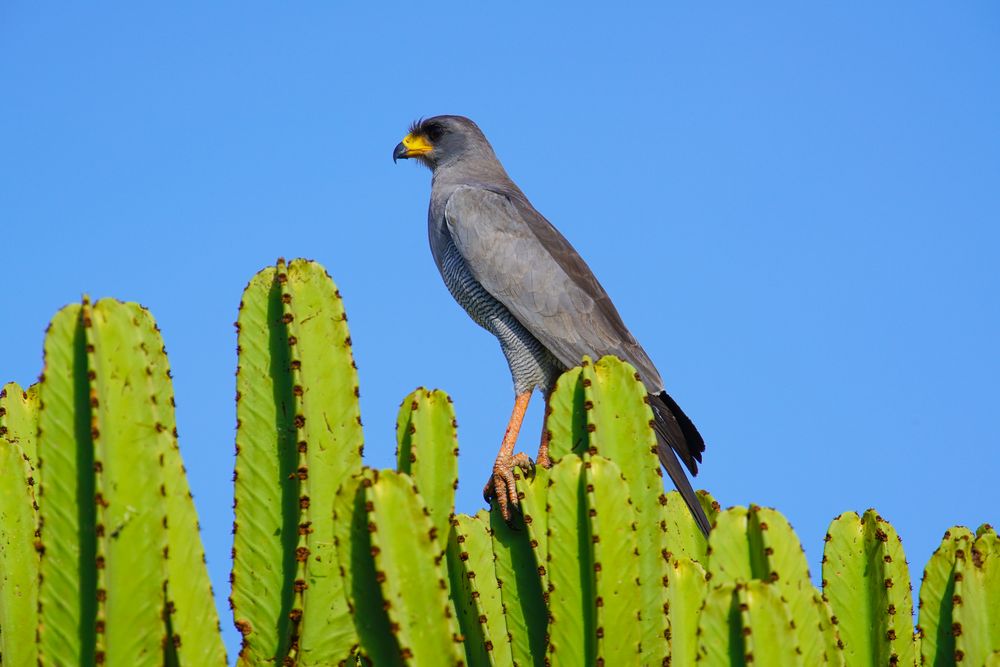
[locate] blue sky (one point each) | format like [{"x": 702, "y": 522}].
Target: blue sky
[{"x": 795, "y": 209}]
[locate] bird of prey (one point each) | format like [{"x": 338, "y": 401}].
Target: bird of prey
[{"x": 518, "y": 278}]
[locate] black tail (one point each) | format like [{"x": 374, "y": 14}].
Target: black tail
[{"x": 677, "y": 437}]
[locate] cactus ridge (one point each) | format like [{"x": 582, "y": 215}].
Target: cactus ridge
[
  {"x": 477, "y": 598},
  {"x": 746, "y": 624},
  {"x": 516, "y": 573},
  {"x": 19, "y": 509},
  {"x": 687, "y": 586},
  {"x": 298, "y": 420},
  {"x": 375, "y": 637},
  {"x": 414, "y": 587},
  {"x": 427, "y": 450},
  {"x": 67, "y": 603},
  {"x": 533, "y": 492},
  {"x": 130, "y": 443},
  {"x": 107, "y": 452},
  {"x": 19, "y": 418},
  {"x": 612, "y": 526},
  {"x": 265, "y": 528},
  {"x": 572, "y": 629},
  {"x": 566, "y": 421},
  {"x": 193, "y": 622},
  {"x": 867, "y": 584},
  {"x": 937, "y": 590},
  {"x": 975, "y": 612}
]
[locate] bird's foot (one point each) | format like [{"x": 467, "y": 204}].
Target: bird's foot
[{"x": 501, "y": 483}]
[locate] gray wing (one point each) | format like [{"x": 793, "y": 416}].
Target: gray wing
[{"x": 527, "y": 265}]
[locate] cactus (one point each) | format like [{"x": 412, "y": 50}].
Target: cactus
[
  {"x": 475, "y": 591},
  {"x": 352, "y": 539},
  {"x": 298, "y": 438},
  {"x": 572, "y": 631},
  {"x": 339, "y": 564},
  {"x": 19, "y": 518},
  {"x": 395, "y": 576},
  {"x": 516, "y": 573},
  {"x": 566, "y": 422},
  {"x": 416, "y": 599},
  {"x": 533, "y": 493},
  {"x": 594, "y": 573},
  {"x": 759, "y": 544},
  {"x": 427, "y": 450},
  {"x": 684, "y": 539},
  {"x": 194, "y": 626},
  {"x": 958, "y": 599},
  {"x": 746, "y": 624},
  {"x": 687, "y": 586},
  {"x": 110, "y": 474},
  {"x": 867, "y": 583},
  {"x": 977, "y": 593},
  {"x": 19, "y": 418}
]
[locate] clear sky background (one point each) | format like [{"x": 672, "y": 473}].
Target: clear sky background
[{"x": 794, "y": 208}]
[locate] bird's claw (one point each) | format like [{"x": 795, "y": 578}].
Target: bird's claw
[{"x": 502, "y": 485}]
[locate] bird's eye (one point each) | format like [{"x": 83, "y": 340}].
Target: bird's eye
[{"x": 434, "y": 132}]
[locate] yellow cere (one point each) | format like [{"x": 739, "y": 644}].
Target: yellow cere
[{"x": 416, "y": 145}]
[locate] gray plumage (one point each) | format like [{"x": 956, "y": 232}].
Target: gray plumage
[{"x": 520, "y": 279}]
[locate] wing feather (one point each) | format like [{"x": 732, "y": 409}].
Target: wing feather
[{"x": 527, "y": 265}]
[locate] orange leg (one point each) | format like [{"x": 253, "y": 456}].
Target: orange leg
[{"x": 501, "y": 483}]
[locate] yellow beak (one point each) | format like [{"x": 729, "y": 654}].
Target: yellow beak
[{"x": 411, "y": 146}]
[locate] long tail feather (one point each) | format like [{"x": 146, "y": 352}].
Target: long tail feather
[{"x": 676, "y": 437}]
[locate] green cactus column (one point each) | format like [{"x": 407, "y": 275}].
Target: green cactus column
[
  {"x": 758, "y": 543},
  {"x": 130, "y": 443},
  {"x": 395, "y": 574},
  {"x": 618, "y": 426},
  {"x": 112, "y": 495},
  {"x": 68, "y": 581},
  {"x": 566, "y": 421},
  {"x": 594, "y": 569},
  {"x": 684, "y": 538},
  {"x": 533, "y": 492},
  {"x": 521, "y": 590},
  {"x": 19, "y": 418},
  {"x": 410, "y": 569},
  {"x": 194, "y": 630},
  {"x": 959, "y": 596},
  {"x": 687, "y": 586},
  {"x": 746, "y": 624},
  {"x": 19, "y": 519},
  {"x": 298, "y": 439},
  {"x": 866, "y": 581},
  {"x": 427, "y": 451},
  {"x": 474, "y": 589}
]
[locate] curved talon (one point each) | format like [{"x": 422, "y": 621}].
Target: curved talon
[{"x": 502, "y": 485}]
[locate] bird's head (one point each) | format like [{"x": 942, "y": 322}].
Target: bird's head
[{"x": 441, "y": 140}]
